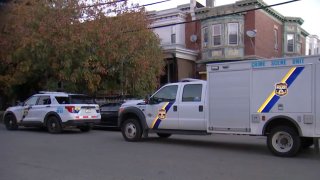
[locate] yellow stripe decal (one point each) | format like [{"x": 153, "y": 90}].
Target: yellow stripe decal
[
  {"x": 272, "y": 94},
  {"x": 157, "y": 117}
]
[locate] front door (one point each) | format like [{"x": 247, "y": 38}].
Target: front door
[
  {"x": 161, "y": 110},
  {"x": 29, "y": 113}
]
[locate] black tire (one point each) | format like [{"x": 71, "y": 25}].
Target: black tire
[
  {"x": 11, "y": 122},
  {"x": 131, "y": 130},
  {"x": 54, "y": 125},
  {"x": 85, "y": 128},
  {"x": 284, "y": 141},
  {"x": 306, "y": 142},
  {"x": 163, "y": 135}
]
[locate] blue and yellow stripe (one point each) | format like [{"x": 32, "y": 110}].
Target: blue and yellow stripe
[
  {"x": 156, "y": 122},
  {"x": 272, "y": 99}
]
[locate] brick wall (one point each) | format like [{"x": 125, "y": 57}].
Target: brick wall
[
  {"x": 264, "y": 42},
  {"x": 192, "y": 28}
]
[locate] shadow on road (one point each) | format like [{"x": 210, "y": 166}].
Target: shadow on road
[{"x": 231, "y": 146}]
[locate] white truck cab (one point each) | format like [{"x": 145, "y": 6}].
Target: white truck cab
[{"x": 277, "y": 98}]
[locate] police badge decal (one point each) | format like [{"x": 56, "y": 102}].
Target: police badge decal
[{"x": 281, "y": 89}]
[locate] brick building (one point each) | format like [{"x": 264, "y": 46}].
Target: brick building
[{"x": 257, "y": 34}]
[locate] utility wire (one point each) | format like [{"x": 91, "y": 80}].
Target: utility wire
[
  {"x": 117, "y": 1},
  {"x": 154, "y": 3},
  {"x": 102, "y": 4},
  {"x": 222, "y": 15}
]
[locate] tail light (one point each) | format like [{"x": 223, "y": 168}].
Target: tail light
[{"x": 72, "y": 109}]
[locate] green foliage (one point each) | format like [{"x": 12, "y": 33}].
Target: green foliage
[{"x": 48, "y": 42}]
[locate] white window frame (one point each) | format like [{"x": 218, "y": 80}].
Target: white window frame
[
  {"x": 205, "y": 32},
  {"x": 216, "y": 34},
  {"x": 230, "y": 33},
  {"x": 287, "y": 47}
]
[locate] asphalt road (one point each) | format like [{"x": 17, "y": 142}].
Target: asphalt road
[{"x": 32, "y": 154}]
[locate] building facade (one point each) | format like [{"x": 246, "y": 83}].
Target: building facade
[
  {"x": 180, "y": 41},
  {"x": 246, "y": 30}
]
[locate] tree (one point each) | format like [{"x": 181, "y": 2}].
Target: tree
[{"x": 82, "y": 48}]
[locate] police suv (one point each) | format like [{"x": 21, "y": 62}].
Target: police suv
[
  {"x": 55, "y": 111},
  {"x": 277, "y": 98}
]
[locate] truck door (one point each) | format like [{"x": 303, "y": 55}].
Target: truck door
[
  {"x": 191, "y": 107},
  {"x": 161, "y": 112}
]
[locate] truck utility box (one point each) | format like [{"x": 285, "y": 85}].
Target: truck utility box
[{"x": 277, "y": 98}]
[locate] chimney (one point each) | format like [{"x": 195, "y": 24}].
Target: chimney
[
  {"x": 210, "y": 3},
  {"x": 192, "y": 7}
]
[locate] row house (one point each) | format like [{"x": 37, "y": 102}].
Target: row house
[
  {"x": 180, "y": 41},
  {"x": 237, "y": 32}
]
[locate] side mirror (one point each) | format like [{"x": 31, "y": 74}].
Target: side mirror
[
  {"x": 147, "y": 99},
  {"x": 19, "y": 103}
]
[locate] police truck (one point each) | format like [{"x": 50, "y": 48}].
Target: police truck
[{"x": 276, "y": 98}]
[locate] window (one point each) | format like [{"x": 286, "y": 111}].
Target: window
[
  {"x": 216, "y": 34},
  {"x": 173, "y": 38},
  {"x": 62, "y": 100},
  {"x": 205, "y": 37},
  {"x": 275, "y": 39},
  {"x": 233, "y": 33},
  {"x": 44, "y": 100},
  {"x": 290, "y": 42},
  {"x": 166, "y": 94},
  {"x": 298, "y": 48},
  {"x": 31, "y": 101},
  {"x": 192, "y": 93}
]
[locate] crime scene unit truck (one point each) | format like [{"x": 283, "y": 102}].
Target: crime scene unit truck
[{"x": 277, "y": 98}]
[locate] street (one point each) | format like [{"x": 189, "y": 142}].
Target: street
[{"x": 34, "y": 154}]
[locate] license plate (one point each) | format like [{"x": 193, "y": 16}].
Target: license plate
[{"x": 88, "y": 110}]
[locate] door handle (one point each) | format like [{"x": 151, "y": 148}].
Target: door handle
[
  {"x": 200, "y": 108},
  {"x": 175, "y": 108}
]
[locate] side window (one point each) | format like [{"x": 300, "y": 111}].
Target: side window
[
  {"x": 192, "y": 93},
  {"x": 43, "y": 100},
  {"x": 62, "y": 100},
  {"x": 166, "y": 94},
  {"x": 31, "y": 101}
]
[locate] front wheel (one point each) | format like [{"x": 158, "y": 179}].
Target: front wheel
[
  {"x": 10, "y": 122},
  {"x": 131, "y": 130},
  {"x": 53, "y": 125},
  {"x": 284, "y": 141}
]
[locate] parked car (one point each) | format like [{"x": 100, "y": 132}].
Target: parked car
[
  {"x": 109, "y": 114},
  {"x": 55, "y": 111}
]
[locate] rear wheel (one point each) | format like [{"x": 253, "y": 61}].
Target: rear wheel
[
  {"x": 163, "y": 135},
  {"x": 284, "y": 141},
  {"x": 11, "y": 122},
  {"x": 53, "y": 125},
  {"x": 85, "y": 128},
  {"x": 131, "y": 130}
]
